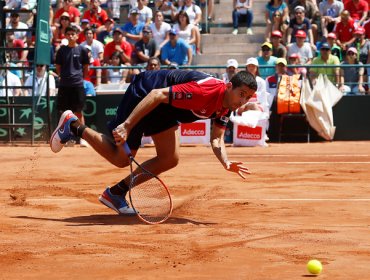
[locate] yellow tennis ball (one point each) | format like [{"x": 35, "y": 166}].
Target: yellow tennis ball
[{"x": 314, "y": 267}]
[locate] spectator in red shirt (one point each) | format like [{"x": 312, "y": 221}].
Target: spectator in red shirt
[
  {"x": 59, "y": 32},
  {"x": 74, "y": 13},
  {"x": 16, "y": 56},
  {"x": 94, "y": 74},
  {"x": 344, "y": 30},
  {"x": 366, "y": 26},
  {"x": 96, "y": 15},
  {"x": 85, "y": 23},
  {"x": 358, "y": 9}
]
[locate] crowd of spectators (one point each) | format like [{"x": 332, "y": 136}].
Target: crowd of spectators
[
  {"x": 299, "y": 31},
  {"x": 167, "y": 30}
]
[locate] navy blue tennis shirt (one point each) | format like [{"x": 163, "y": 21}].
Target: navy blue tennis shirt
[{"x": 193, "y": 95}]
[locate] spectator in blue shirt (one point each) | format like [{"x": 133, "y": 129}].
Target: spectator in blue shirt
[
  {"x": 132, "y": 30},
  {"x": 176, "y": 50},
  {"x": 266, "y": 59}
]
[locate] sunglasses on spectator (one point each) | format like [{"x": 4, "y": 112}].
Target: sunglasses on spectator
[
  {"x": 39, "y": 65},
  {"x": 266, "y": 49},
  {"x": 64, "y": 18},
  {"x": 325, "y": 50},
  {"x": 350, "y": 53},
  {"x": 68, "y": 1},
  {"x": 298, "y": 13},
  {"x": 277, "y": 15}
]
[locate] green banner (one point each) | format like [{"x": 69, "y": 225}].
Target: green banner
[{"x": 43, "y": 43}]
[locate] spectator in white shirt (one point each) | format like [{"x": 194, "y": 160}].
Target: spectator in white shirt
[
  {"x": 302, "y": 48},
  {"x": 160, "y": 29},
  {"x": 97, "y": 47},
  {"x": 40, "y": 82},
  {"x": 145, "y": 13}
]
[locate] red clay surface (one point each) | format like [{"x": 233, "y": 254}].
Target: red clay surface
[{"x": 302, "y": 202}]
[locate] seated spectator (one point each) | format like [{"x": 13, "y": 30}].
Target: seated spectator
[
  {"x": 153, "y": 63},
  {"x": 195, "y": 17},
  {"x": 97, "y": 48},
  {"x": 242, "y": 13},
  {"x": 344, "y": 31},
  {"x": 73, "y": 12},
  {"x": 12, "y": 80},
  {"x": 186, "y": 30},
  {"x": 94, "y": 75},
  {"x": 252, "y": 67},
  {"x": 119, "y": 44},
  {"x": 311, "y": 13},
  {"x": 272, "y": 82},
  {"x": 59, "y": 32},
  {"x": 352, "y": 78},
  {"x": 326, "y": 58},
  {"x": 145, "y": 13},
  {"x": 294, "y": 59},
  {"x": 160, "y": 29},
  {"x": 132, "y": 30},
  {"x": 106, "y": 35},
  {"x": 146, "y": 47},
  {"x": 17, "y": 56},
  {"x": 302, "y": 48},
  {"x": 330, "y": 14},
  {"x": 85, "y": 23},
  {"x": 278, "y": 48},
  {"x": 276, "y": 13},
  {"x": 117, "y": 75},
  {"x": 335, "y": 49},
  {"x": 176, "y": 51},
  {"x": 15, "y": 23},
  {"x": 363, "y": 48},
  {"x": 96, "y": 15},
  {"x": 168, "y": 10},
  {"x": 358, "y": 10},
  {"x": 40, "y": 82},
  {"x": 266, "y": 59},
  {"x": 300, "y": 22},
  {"x": 231, "y": 69}
]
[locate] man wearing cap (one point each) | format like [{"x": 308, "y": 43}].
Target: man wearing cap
[
  {"x": 74, "y": 13},
  {"x": 176, "y": 50},
  {"x": 146, "y": 47},
  {"x": 96, "y": 15},
  {"x": 300, "y": 22},
  {"x": 231, "y": 69},
  {"x": 132, "y": 30},
  {"x": 15, "y": 23},
  {"x": 363, "y": 47},
  {"x": 272, "y": 81},
  {"x": 266, "y": 59},
  {"x": 311, "y": 12},
  {"x": 119, "y": 44},
  {"x": 106, "y": 35},
  {"x": 358, "y": 10},
  {"x": 251, "y": 66},
  {"x": 278, "y": 48},
  {"x": 327, "y": 59},
  {"x": 85, "y": 23},
  {"x": 344, "y": 30},
  {"x": 302, "y": 48}
]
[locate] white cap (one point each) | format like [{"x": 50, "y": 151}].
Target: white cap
[
  {"x": 232, "y": 63},
  {"x": 252, "y": 60}
]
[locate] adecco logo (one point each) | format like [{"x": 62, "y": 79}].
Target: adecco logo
[
  {"x": 193, "y": 129},
  {"x": 248, "y": 133}
]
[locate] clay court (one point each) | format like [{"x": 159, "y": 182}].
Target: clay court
[{"x": 302, "y": 202}]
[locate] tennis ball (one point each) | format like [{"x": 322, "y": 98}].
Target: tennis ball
[{"x": 314, "y": 267}]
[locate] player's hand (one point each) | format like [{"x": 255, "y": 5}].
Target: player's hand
[
  {"x": 120, "y": 134},
  {"x": 237, "y": 167}
]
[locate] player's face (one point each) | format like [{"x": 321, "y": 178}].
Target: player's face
[{"x": 236, "y": 97}]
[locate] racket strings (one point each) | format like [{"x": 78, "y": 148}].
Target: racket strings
[{"x": 150, "y": 198}]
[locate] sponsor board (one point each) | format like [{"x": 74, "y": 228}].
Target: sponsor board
[{"x": 195, "y": 133}]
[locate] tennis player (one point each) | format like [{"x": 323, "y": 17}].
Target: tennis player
[{"x": 154, "y": 105}]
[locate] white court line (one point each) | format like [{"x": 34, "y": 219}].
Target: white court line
[
  {"x": 280, "y": 199},
  {"x": 303, "y": 155},
  {"x": 319, "y": 162}
]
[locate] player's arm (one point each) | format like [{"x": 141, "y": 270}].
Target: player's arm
[
  {"x": 151, "y": 101},
  {"x": 219, "y": 149}
]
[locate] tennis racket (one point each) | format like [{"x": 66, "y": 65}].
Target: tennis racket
[{"x": 149, "y": 196}]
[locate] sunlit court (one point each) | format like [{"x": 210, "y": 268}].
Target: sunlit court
[{"x": 301, "y": 202}]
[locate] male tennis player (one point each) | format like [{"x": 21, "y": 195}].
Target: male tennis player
[{"x": 154, "y": 104}]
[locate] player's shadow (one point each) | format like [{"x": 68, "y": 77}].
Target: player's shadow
[{"x": 104, "y": 219}]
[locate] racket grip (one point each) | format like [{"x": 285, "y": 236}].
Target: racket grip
[{"x": 127, "y": 149}]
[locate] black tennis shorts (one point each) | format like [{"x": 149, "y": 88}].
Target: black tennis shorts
[{"x": 71, "y": 98}]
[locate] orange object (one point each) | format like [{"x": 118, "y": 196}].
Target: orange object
[{"x": 289, "y": 93}]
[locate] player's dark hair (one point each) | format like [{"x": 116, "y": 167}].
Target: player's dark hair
[{"x": 244, "y": 78}]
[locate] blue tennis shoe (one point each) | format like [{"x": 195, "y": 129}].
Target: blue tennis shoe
[{"x": 62, "y": 134}]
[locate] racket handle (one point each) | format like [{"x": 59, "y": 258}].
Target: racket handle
[{"x": 127, "y": 149}]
